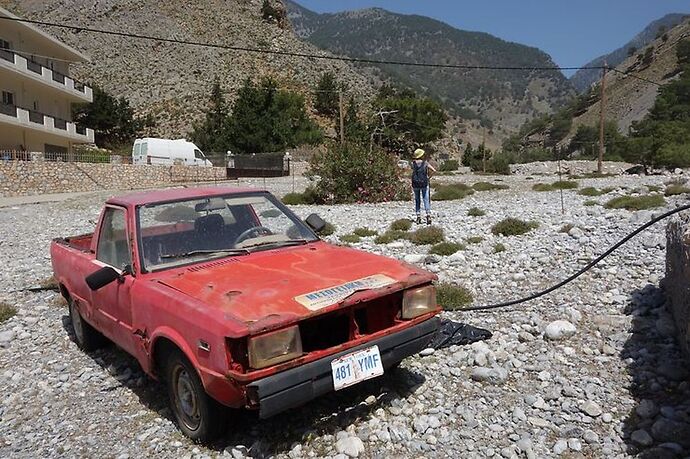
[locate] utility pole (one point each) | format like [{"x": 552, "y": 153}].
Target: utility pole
[
  {"x": 342, "y": 117},
  {"x": 602, "y": 107},
  {"x": 484, "y": 151}
]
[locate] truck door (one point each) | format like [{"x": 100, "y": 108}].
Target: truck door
[{"x": 112, "y": 304}]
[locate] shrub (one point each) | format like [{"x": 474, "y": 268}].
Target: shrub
[
  {"x": 673, "y": 190},
  {"x": 6, "y": 312},
  {"x": 589, "y": 203},
  {"x": 654, "y": 188},
  {"x": 513, "y": 227},
  {"x": 309, "y": 196},
  {"x": 608, "y": 189},
  {"x": 451, "y": 192},
  {"x": 474, "y": 239},
  {"x": 636, "y": 202},
  {"x": 498, "y": 248},
  {"x": 566, "y": 228},
  {"x": 488, "y": 186},
  {"x": 476, "y": 212},
  {"x": 402, "y": 224},
  {"x": 542, "y": 187},
  {"x": 449, "y": 165},
  {"x": 590, "y": 191},
  {"x": 350, "y": 172},
  {"x": 427, "y": 235},
  {"x": 327, "y": 230},
  {"x": 364, "y": 232},
  {"x": 446, "y": 248},
  {"x": 350, "y": 238},
  {"x": 564, "y": 185},
  {"x": 390, "y": 236},
  {"x": 452, "y": 297}
]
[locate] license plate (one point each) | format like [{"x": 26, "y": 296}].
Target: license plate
[{"x": 356, "y": 367}]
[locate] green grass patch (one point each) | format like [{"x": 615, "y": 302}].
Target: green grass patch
[
  {"x": 350, "y": 238},
  {"x": 674, "y": 190},
  {"x": 7, "y": 311},
  {"x": 474, "y": 239},
  {"x": 542, "y": 187},
  {"x": 488, "y": 186},
  {"x": 592, "y": 175},
  {"x": 476, "y": 212},
  {"x": 654, "y": 188},
  {"x": 590, "y": 203},
  {"x": 402, "y": 224},
  {"x": 307, "y": 197},
  {"x": 390, "y": 236},
  {"x": 451, "y": 192},
  {"x": 327, "y": 230},
  {"x": 446, "y": 248},
  {"x": 564, "y": 185},
  {"x": 513, "y": 227},
  {"x": 636, "y": 202},
  {"x": 608, "y": 189},
  {"x": 427, "y": 235},
  {"x": 365, "y": 232},
  {"x": 453, "y": 297},
  {"x": 590, "y": 191},
  {"x": 498, "y": 248}
]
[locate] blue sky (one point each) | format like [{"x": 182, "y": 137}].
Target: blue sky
[{"x": 572, "y": 32}]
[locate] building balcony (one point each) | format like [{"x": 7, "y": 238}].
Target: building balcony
[
  {"x": 31, "y": 119},
  {"x": 51, "y": 78}
]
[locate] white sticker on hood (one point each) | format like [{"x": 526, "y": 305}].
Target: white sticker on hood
[{"x": 328, "y": 296}]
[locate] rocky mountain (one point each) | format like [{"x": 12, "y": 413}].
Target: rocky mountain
[
  {"x": 504, "y": 99},
  {"x": 172, "y": 81},
  {"x": 583, "y": 79},
  {"x": 628, "y": 96}
]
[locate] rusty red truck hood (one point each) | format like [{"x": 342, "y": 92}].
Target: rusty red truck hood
[{"x": 273, "y": 287}]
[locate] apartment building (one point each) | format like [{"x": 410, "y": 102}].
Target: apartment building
[{"x": 37, "y": 91}]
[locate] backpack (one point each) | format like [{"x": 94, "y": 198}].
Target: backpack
[{"x": 420, "y": 177}]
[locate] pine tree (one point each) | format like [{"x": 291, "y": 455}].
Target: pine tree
[
  {"x": 212, "y": 134},
  {"x": 326, "y": 95}
]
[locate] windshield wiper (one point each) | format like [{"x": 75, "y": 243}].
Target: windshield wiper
[
  {"x": 285, "y": 243},
  {"x": 207, "y": 251}
]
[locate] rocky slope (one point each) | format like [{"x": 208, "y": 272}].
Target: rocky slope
[
  {"x": 172, "y": 81},
  {"x": 629, "y": 98},
  {"x": 583, "y": 79},
  {"x": 503, "y": 98}
]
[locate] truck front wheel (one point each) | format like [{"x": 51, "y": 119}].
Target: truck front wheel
[
  {"x": 198, "y": 416},
  {"x": 86, "y": 337}
]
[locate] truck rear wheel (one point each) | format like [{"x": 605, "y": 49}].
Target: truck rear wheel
[
  {"x": 87, "y": 338},
  {"x": 198, "y": 416}
]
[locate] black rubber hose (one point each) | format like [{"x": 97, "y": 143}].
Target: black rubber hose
[{"x": 581, "y": 271}]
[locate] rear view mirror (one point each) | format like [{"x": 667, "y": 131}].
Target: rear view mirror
[
  {"x": 315, "y": 222},
  {"x": 210, "y": 204},
  {"x": 102, "y": 277}
]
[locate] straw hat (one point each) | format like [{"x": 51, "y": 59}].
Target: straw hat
[{"x": 418, "y": 153}]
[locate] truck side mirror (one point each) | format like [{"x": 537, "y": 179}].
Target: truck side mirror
[
  {"x": 315, "y": 222},
  {"x": 102, "y": 277}
]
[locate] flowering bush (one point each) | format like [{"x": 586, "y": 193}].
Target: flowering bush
[{"x": 350, "y": 172}]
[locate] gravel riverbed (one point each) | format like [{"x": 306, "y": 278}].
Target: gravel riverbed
[{"x": 591, "y": 370}]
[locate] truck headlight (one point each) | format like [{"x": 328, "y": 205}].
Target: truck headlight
[
  {"x": 419, "y": 301},
  {"x": 275, "y": 347}
]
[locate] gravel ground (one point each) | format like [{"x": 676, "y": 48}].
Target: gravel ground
[{"x": 591, "y": 370}]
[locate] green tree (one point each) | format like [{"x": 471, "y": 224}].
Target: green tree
[
  {"x": 265, "y": 119},
  {"x": 212, "y": 134},
  {"x": 326, "y": 95},
  {"x": 355, "y": 129},
  {"x": 111, "y": 118}
]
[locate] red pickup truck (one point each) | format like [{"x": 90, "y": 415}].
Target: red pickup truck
[{"x": 233, "y": 301}]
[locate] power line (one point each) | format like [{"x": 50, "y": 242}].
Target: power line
[
  {"x": 656, "y": 83},
  {"x": 292, "y": 53}
]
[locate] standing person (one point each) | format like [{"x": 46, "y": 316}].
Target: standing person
[{"x": 421, "y": 170}]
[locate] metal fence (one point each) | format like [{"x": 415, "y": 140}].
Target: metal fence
[
  {"x": 59, "y": 155},
  {"x": 257, "y": 165}
]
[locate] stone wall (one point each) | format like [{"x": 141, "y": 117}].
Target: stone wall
[
  {"x": 677, "y": 281},
  {"x": 25, "y": 178}
]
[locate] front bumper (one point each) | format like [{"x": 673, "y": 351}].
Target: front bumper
[{"x": 299, "y": 385}]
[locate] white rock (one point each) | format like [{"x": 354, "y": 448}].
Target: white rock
[
  {"x": 559, "y": 329},
  {"x": 350, "y": 446}
]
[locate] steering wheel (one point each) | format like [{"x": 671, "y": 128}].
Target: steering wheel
[{"x": 258, "y": 230}]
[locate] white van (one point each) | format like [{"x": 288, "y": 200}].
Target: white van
[{"x": 167, "y": 152}]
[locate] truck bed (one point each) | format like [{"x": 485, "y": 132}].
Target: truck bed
[{"x": 81, "y": 242}]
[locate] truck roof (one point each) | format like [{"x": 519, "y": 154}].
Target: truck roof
[{"x": 175, "y": 194}]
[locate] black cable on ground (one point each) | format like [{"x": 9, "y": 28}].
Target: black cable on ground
[{"x": 586, "y": 268}]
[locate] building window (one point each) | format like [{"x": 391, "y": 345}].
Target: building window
[
  {"x": 7, "y": 98},
  {"x": 4, "y": 44}
]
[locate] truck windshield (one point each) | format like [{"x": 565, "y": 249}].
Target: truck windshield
[{"x": 195, "y": 230}]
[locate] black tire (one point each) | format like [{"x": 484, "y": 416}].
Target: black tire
[
  {"x": 87, "y": 338},
  {"x": 197, "y": 415}
]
